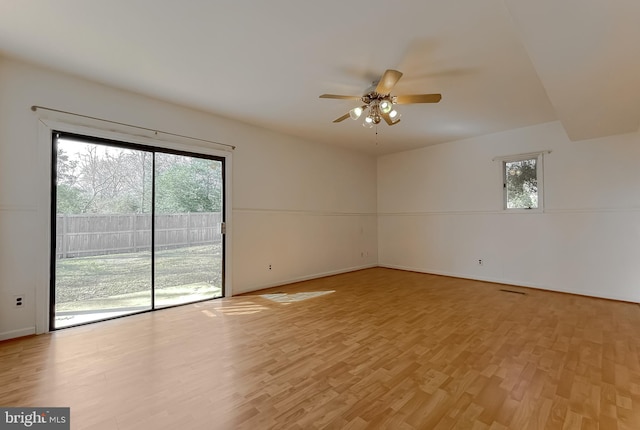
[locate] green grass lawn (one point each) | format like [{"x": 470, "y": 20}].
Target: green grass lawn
[{"x": 129, "y": 275}]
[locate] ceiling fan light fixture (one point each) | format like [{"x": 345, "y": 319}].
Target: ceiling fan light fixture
[
  {"x": 393, "y": 117},
  {"x": 355, "y": 113},
  {"x": 385, "y": 106},
  {"x": 368, "y": 122}
]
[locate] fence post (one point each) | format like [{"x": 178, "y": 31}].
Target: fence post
[
  {"x": 188, "y": 227},
  {"x": 65, "y": 246},
  {"x": 134, "y": 223}
]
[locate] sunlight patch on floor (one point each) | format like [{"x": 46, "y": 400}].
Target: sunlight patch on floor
[{"x": 295, "y": 297}]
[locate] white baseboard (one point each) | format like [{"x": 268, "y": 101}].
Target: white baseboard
[
  {"x": 17, "y": 333},
  {"x": 303, "y": 278},
  {"x": 515, "y": 283}
]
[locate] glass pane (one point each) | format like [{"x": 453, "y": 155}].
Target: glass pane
[
  {"x": 521, "y": 184},
  {"x": 103, "y": 232},
  {"x": 188, "y": 243}
]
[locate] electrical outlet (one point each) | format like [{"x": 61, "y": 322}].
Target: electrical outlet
[
  {"x": 269, "y": 266},
  {"x": 480, "y": 262},
  {"x": 19, "y": 301}
]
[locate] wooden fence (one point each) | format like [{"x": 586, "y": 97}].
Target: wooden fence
[{"x": 85, "y": 235}]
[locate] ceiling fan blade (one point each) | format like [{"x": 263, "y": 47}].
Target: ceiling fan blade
[
  {"x": 418, "y": 98},
  {"x": 336, "y": 96},
  {"x": 342, "y": 118},
  {"x": 388, "y": 119},
  {"x": 388, "y": 81}
]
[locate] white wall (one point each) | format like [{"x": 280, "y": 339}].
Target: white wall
[
  {"x": 304, "y": 209},
  {"x": 307, "y": 209},
  {"x": 440, "y": 211}
]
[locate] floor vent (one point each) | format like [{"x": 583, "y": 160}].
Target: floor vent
[{"x": 514, "y": 292}]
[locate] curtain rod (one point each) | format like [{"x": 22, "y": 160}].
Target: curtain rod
[
  {"x": 520, "y": 156},
  {"x": 36, "y": 107}
]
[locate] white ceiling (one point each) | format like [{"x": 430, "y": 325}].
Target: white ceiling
[{"x": 499, "y": 64}]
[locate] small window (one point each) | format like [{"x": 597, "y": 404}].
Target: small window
[{"x": 522, "y": 182}]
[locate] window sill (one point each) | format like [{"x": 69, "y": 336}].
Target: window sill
[{"x": 524, "y": 211}]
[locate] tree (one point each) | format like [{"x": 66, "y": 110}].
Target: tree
[
  {"x": 105, "y": 179},
  {"x": 522, "y": 184},
  {"x": 69, "y": 197},
  {"x": 187, "y": 184},
  {"x": 65, "y": 168}
]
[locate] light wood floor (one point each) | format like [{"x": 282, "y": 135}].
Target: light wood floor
[{"x": 388, "y": 349}]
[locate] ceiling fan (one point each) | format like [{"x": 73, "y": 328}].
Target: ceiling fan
[{"x": 380, "y": 102}]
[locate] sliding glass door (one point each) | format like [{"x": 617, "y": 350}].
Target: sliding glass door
[
  {"x": 188, "y": 222},
  {"x": 136, "y": 228}
]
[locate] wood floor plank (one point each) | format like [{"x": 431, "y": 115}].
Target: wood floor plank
[{"x": 384, "y": 349}]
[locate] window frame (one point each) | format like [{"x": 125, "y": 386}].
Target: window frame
[{"x": 539, "y": 157}]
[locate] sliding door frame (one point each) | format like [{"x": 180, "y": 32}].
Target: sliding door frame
[{"x": 142, "y": 139}]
